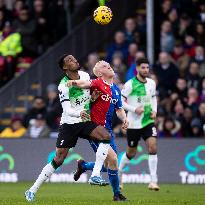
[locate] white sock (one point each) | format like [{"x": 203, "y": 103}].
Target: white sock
[
  {"x": 101, "y": 155},
  {"x": 123, "y": 162},
  {"x": 44, "y": 175},
  {"x": 152, "y": 162}
]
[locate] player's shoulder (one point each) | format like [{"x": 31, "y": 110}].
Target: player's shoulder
[
  {"x": 116, "y": 87},
  {"x": 84, "y": 75},
  {"x": 150, "y": 81}
]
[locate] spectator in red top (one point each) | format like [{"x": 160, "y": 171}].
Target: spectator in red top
[
  {"x": 181, "y": 59},
  {"x": 190, "y": 46},
  {"x": 132, "y": 50}
]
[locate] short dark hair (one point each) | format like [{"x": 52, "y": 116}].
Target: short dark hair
[
  {"x": 142, "y": 60},
  {"x": 61, "y": 61}
]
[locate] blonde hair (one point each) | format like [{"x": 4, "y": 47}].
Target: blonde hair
[{"x": 96, "y": 68}]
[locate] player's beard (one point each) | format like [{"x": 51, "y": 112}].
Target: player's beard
[{"x": 143, "y": 76}]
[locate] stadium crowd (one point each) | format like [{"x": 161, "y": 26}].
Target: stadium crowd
[
  {"x": 27, "y": 29},
  {"x": 179, "y": 72}
]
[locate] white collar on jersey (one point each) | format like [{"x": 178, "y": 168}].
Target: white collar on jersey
[{"x": 108, "y": 83}]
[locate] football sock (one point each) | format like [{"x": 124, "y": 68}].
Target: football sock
[
  {"x": 152, "y": 162},
  {"x": 101, "y": 155},
  {"x": 114, "y": 181},
  {"x": 45, "y": 174},
  {"x": 124, "y": 160},
  {"x": 89, "y": 166}
]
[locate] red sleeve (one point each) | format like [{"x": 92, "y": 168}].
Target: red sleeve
[{"x": 95, "y": 84}]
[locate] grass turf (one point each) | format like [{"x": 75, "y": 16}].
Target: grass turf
[{"x": 84, "y": 194}]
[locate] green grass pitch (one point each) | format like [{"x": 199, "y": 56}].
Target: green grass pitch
[{"x": 84, "y": 194}]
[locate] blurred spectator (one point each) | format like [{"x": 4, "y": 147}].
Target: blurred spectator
[
  {"x": 5, "y": 10},
  {"x": 16, "y": 129},
  {"x": 53, "y": 106},
  {"x": 57, "y": 19},
  {"x": 178, "y": 109},
  {"x": 166, "y": 39},
  {"x": 2, "y": 19},
  {"x": 202, "y": 90},
  {"x": 200, "y": 59},
  {"x": 10, "y": 47},
  {"x": 193, "y": 77},
  {"x": 18, "y": 5},
  {"x": 165, "y": 9},
  {"x": 38, "y": 128},
  {"x": 166, "y": 72},
  {"x": 180, "y": 58},
  {"x": 132, "y": 50},
  {"x": 201, "y": 113},
  {"x": 189, "y": 46},
  {"x": 196, "y": 128},
  {"x": 26, "y": 26},
  {"x": 193, "y": 99},
  {"x": 119, "y": 44},
  {"x": 169, "y": 128},
  {"x": 202, "y": 11},
  {"x": 140, "y": 30},
  {"x": 130, "y": 27},
  {"x": 186, "y": 122},
  {"x": 184, "y": 27},
  {"x": 181, "y": 89},
  {"x": 38, "y": 107},
  {"x": 173, "y": 19},
  {"x": 131, "y": 72},
  {"x": 42, "y": 29},
  {"x": 200, "y": 34},
  {"x": 118, "y": 66},
  {"x": 93, "y": 58}
]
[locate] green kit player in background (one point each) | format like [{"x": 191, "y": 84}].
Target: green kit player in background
[{"x": 139, "y": 99}]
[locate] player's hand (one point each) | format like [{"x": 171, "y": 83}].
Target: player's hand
[
  {"x": 84, "y": 115},
  {"x": 71, "y": 83},
  {"x": 125, "y": 124},
  {"x": 95, "y": 95},
  {"x": 153, "y": 115},
  {"x": 139, "y": 110}
]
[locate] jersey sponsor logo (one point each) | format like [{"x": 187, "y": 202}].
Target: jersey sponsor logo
[
  {"x": 108, "y": 98},
  {"x": 82, "y": 100},
  {"x": 144, "y": 99}
]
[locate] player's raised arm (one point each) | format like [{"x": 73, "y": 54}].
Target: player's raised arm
[{"x": 79, "y": 83}]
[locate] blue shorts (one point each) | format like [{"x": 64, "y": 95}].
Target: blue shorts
[{"x": 95, "y": 144}]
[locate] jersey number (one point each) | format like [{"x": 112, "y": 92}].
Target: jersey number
[{"x": 61, "y": 142}]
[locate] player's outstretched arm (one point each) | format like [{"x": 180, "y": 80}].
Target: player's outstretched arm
[
  {"x": 79, "y": 83},
  {"x": 123, "y": 117}
]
